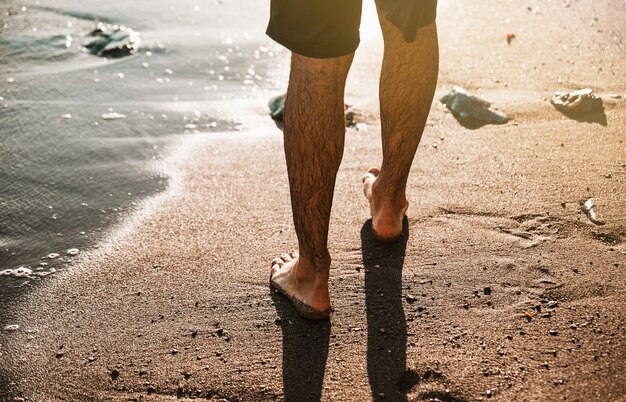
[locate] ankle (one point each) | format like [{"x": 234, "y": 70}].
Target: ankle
[
  {"x": 313, "y": 269},
  {"x": 388, "y": 196}
]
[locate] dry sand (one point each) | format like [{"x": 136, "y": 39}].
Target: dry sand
[{"x": 501, "y": 287}]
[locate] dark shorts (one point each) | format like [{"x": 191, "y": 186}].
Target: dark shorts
[{"x": 330, "y": 28}]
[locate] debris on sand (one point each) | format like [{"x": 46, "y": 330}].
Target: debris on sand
[
  {"x": 468, "y": 107},
  {"x": 112, "y": 41},
  {"x": 510, "y": 37},
  {"x": 355, "y": 118},
  {"x": 588, "y": 208},
  {"x": 581, "y": 102}
]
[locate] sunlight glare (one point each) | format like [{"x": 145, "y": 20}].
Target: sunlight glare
[{"x": 370, "y": 28}]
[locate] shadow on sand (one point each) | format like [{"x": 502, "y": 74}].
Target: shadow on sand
[
  {"x": 386, "y": 323},
  {"x": 597, "y": 117},
  {"x": 305, "y": 350},
  {"x": 468, "y": 123},
  {"x": 305, "y": 343}
]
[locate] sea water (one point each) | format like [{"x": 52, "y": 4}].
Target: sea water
[{"x": 79, "y": 133}]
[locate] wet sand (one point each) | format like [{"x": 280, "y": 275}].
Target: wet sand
[{"x": 501, "y": 286}]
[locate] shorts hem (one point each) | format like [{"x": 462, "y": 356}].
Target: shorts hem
[{"x": 315, "y": 52}]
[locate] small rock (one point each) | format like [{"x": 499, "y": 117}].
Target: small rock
[
  {"x": 582, "y": 101},
  {"x": 487, "y": 290},
  {"x": 410, "y": 299},
  {"x": 59, "y": 354},
  {"x": 112, "y": 40},
  {"x": 194, "y": 333},
  {"x": 277, "y": 107},
  {"x": 115, "y": 373},
  {"x": 186, "y": 375},
  {"x": 12, "y": 327},
  {"x": 489, "y": 393},
  {"x": 469, "y": 107},
  {"x": 174, "y": 351},
  {"x": 553, "y": 332},
  {"x": 219, "y": 332}
]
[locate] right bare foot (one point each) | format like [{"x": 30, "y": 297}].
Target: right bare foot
[
  {"x": 306, "y": 288},
  {"x": 387, "y": 215}
]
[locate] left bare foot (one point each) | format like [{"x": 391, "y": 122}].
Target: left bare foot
[{"x": 303, "y": 285}]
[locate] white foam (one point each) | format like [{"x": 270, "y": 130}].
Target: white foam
[
  {"x": 113, "y": 116},
  {"x": 21, "y": 272}
]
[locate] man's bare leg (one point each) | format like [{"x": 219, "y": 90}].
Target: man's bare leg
[
  {"x": 314, "y": 130},
  {"x": 407, "y": 86}
]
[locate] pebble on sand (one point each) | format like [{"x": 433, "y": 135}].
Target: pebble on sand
[{"x": 12, "y": 327}]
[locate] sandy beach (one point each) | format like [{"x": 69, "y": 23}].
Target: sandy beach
[{"x": 501, "y": 288}]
